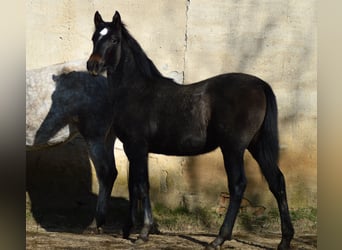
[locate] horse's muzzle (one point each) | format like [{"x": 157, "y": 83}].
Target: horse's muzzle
[{"x": 95, "y": 64}]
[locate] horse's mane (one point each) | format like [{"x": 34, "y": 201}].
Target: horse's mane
[{"x": 144, "y": 64}]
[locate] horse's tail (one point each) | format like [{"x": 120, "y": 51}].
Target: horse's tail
[
  {"x": 265, "y": 150},
  {"x": 266, "y": 145}
]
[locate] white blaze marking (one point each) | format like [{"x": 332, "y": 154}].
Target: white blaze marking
[{"x": 104, "y": 32}]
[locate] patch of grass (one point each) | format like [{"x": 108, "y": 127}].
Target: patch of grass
[
  {"x": 303, "y": 219},
  {"x": 181, "y": 219},
  {"x": 248, "y": 221},
  {"x": 309, "y": 213},
  {"x": 201, "y": 219}
]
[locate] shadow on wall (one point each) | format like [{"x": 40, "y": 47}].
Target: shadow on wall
[
  {"x": 59, "y": 178},
  {"x": 59, "y": 185}
]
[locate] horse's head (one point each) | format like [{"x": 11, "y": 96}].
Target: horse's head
[{"x": 106, "y": 44}]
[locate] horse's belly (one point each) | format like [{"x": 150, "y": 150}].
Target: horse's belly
[{"x": 188, "y": 145}]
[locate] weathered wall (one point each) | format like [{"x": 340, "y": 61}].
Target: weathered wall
[{"x": 193, "y": 40}]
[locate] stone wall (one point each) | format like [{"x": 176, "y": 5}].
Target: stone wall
[{"x": 191, "y": 40}]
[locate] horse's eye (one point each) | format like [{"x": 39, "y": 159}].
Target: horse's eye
[{"x": 115, "y": 41}]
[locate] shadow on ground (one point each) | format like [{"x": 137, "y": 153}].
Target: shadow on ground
[{"x": 59, "y": 190}]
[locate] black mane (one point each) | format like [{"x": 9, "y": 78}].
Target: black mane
[{"x": 144, "y": 64}]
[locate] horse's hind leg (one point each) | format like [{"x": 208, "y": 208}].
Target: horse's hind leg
[
  {"x": 233, "y": 161},
  {"x": 276, "y": 184},
  {"x": 102, "y": 156}
]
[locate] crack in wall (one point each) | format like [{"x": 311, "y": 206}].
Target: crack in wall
[{"x": 186, "y": 37}]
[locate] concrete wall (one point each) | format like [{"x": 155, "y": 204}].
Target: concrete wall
[{"x": 193, "y": 40}]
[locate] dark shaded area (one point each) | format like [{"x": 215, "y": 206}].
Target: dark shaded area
[
  {"x": 202, "y": 243},
  {"x": 59, "y": 185},
  {"x": 59, "y": 178}
]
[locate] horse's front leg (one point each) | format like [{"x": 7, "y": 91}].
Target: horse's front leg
[
  {"x": 139, "y": 189},
  {"x": 103, "y": 159},
  {"x": 146, "y": 205},
  {"x": 133, "y": 206}
]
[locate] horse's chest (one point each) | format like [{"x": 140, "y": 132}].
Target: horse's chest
[{"x": 129, "y": 121}]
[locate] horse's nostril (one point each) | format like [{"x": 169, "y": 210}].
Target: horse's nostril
[{"x": 95, "y": 64}]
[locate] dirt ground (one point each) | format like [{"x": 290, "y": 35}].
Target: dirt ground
[
  {"x": 40, "y": 239},
  {"x": 58, "y": 238},
  {"x": 65, "y": 221},
  {"x": 61, "y": 220}
]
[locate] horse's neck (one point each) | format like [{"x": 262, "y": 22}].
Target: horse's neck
[{"x": 127, "y": 73}]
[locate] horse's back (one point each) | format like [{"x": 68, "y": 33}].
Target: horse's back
[
  {"x": 194, "y": 118},
  {"x": 231, "y": 80}
]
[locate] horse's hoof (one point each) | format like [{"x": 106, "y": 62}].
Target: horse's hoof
[
  {"x": 216, "y": 244},
  {"x": 284, "y": 245},
  {"x": 211, "y": 247},
  {"x": 126, "y": 232},
  {"x": 140, "y": 241}
]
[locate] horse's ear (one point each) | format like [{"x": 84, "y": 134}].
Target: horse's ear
[
  {"x": 116, "y": 20},
  {"x": 97, "y": 19},
  {"x": 56, "y": 78}
]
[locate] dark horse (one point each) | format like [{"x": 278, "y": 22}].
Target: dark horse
[
  {"x": 85, "y": 103},
  {"x": 154, "y": 114}
]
